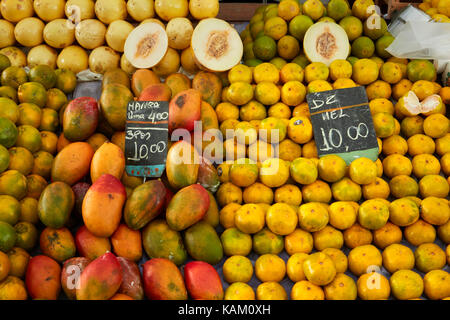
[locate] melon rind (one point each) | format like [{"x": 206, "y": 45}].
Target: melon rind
[
  {"x": 340, "y": 44},
  {"x": 159, "y": 48}
]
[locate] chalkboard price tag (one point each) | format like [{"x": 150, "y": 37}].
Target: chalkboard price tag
[
  {"x": 342, "y": 123},
  {"x": 146, "y": 138}
]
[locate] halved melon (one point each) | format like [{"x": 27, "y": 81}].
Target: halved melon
[
  {"x": 217, "y": 45},
  {"x": 146, "y": 45},
  {"x": 325, "y": 42}
]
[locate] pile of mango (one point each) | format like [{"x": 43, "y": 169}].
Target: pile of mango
[{"x": 74, "y": 224}]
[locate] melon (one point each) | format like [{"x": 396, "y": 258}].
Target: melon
[
  {"x": 108, "y": 11},
  {"x": 117, "y": 34},
  {"x": 146, "y": 45},
  {"x": 28, "y": 32},
  {"x": 7, "y": 31},
  {"x": 78, "y": 10},
  {"x": 42, "y": 54},
  {"x": 126, "y": 66},
  {"x": 217, "y": 45},
  {"x": 59, "y": 33},
  {"x": 179, "y": 31},
  {"x": 49, "y": 10},
  {"x": 15, "y": 55},
  {"x": 325, "y": 42},
  {"x": 102, "y": 59},
  {"x": 140, "y": 10},
  {"x": 73, "y": 58},
  {"x": 90, "y": 33}
]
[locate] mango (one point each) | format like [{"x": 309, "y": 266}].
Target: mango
[
  {"x": 209, "y": 85},
  {"x": 155, "y": 92},
  {"x": 101, "y": 279},
  {"x": 116, "y": 75},
  {"x": 184, "y": 110},
  {"x": 202, "y": 281},
  {"x": 163, "y": 280},
  {"x": 207, "y": 175},
  {"x": 162, "y": 242},
  {"x": 80, "y": 118},
  {"x": 141, "y": 79},
  {"x": 58, "y": 244},
  {"x": 131, "y": 281},
  {"x": 102, "y": 161},
  {"x": 113, "y": 104},
  {"x": 203, "y": 243},
  {"x": 55, "y": 204},
  {"x": 144, "y": 204},
  {"x": 178, "y": 82},
  {"x": 102, "y": 205},
  {"x": 72, "y": 163},
  {"x": 62, "y": 142},
  {"x": 43, "y": 278},
  {"x": 182, "y": 165},
  {"x": 188, "y": 206},
  {"x": 89, "y": 245},
  {"x": 127, "y": 243},
  {"x": 208, "y": 116},
  {"x": 70, "y": 275}
]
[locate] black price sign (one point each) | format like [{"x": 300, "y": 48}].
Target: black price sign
[
  {"x": 343, "y": 124},
  {"x": 146, "y": 138}
]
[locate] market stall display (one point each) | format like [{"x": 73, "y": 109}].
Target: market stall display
[{"x": 243, "y": 207}]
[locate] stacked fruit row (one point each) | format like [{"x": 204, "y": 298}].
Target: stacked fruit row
[{"x": 86, "y": 34}]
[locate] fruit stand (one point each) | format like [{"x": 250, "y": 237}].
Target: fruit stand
[{"x": 206, "y": 150}]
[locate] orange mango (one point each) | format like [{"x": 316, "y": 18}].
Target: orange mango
[
  {"x": 163, "y": 280},
  {"x": 102, "y": 161},
  {"x": 184, "y": 110},
  {"x": 127, "y": 243},
  {"x": 102, "y": 205},
  {"x": 42, "y": 278},
  {"x": 72, "y": 163},
  {"x": 89, "y": 245},
  {"x": 156, "y": 92},
  {"x": 101, "y": 279},
  {"x": 188, "y": 206}
]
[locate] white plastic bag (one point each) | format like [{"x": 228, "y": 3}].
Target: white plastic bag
[{"x": 422, "y": 40}]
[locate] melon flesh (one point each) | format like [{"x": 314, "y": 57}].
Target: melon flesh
[
  {"x": 325, "y": 42},
  {"x": 146, "y": 45},
  {"x": 217, "y": 45}
]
